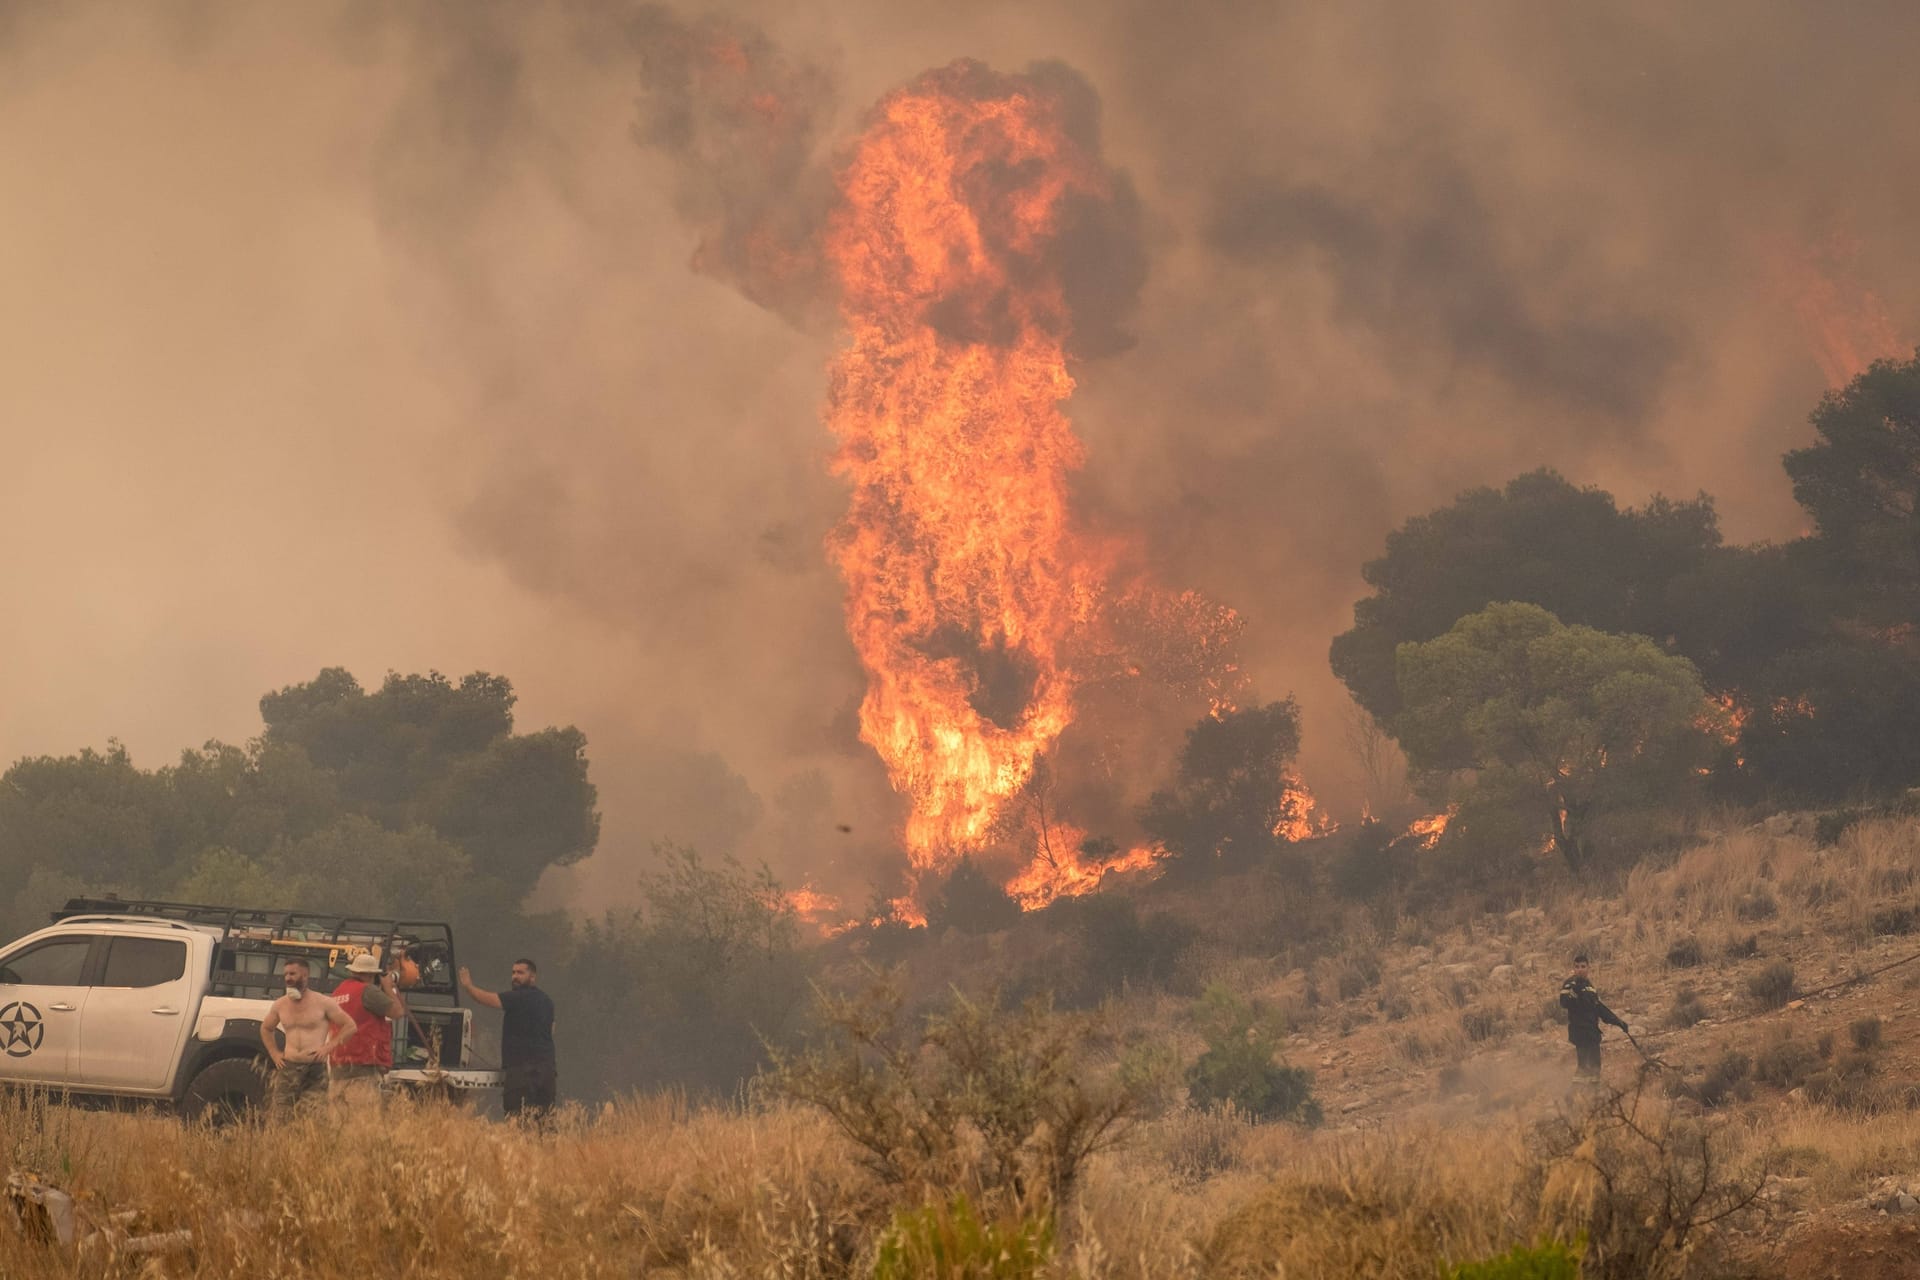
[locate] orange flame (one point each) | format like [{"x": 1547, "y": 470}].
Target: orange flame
[
  {"x": 965, "y": 575},
  {"x": 1733, "y": 720},
  {"x": 1301, "y": 817},
  {"x": 820, "y": 910},
  {"x": 906, "y": 911},
  {"x": 1426, "y": 832},
  {"x": 1064, "y": 868},
  {"x": 1846, "y": 324}
]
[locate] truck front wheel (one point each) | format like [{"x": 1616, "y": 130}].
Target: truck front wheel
[{"x": 226, "y": 1090}]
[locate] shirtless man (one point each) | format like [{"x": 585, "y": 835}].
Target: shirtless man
[{"x": 313, "y": 1026}]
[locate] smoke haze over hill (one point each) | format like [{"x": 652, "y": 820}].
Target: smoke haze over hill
[{"x": 401, "y": 336}]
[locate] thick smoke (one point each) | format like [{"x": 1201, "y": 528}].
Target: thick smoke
[
  {"x": 741, "y": 124},
  {"x": 364, "y": 332}
]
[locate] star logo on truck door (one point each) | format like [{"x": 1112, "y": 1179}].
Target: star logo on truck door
[{"x": 21, "y": 1029}]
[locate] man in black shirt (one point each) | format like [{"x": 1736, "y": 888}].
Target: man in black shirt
[
  {"x": 526, "y": 1040},
  {"x": 1585, "y": 1013}
]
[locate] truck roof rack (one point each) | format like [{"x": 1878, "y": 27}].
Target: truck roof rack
[
  {"x": 276, "y": 931},
  {"x": 304, "y": 925}
]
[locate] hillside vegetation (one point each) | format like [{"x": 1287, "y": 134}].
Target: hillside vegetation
[{"x": 1765, "y": 1146}]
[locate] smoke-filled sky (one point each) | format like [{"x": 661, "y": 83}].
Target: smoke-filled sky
[{"x": 371, "y": 334}]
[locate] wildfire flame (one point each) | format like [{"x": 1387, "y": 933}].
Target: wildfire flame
[
  {"x": 1301, "y": 817},
  {"x": 1426, "y": 832},
  {"x": 1064, "y": 869},
  {"x": 966, "y": 576},
  {"x": 821, "y": 910},
  {"x": 1846, "y": 324}
]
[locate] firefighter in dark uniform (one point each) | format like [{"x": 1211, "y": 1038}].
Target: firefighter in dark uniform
[{"x": 1585, "y": 1013}]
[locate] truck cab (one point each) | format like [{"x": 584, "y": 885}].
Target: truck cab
[{"x": 163, "y": 1001}]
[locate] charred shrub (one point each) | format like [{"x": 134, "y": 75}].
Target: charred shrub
[
  {"x": 1119, "y": 947},
  {"x": 970, "y": 902},
  {"x": 1687, "y": 1010},
  {"x": 1242, "y": 1064},
  {"x": 1757, "y": 903},
  {"x": 1724, "y": 1081},
  {"x": 1785, "y": 1063},
  {"x": 1685, "y": 953},
  {"x": 1482, "y": 1025},
  {"x": 1371, "y": 864},
  {"x": 1831, "y": 825},
  {"x": 1848, "y": 1085},
  {"x": 1357, "y": 973},
  {"x": 1895, "y": 921},
  {"x": 1773, "y": 986}
]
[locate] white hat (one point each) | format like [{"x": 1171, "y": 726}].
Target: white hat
[{"x": 365, "y": 962}]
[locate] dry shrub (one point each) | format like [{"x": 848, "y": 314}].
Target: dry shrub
[
  {"x": 1757, "y": 903},
  {"x": 1482, "y": 1024},
  {"x": 1687, "y": 1010},
  {"x": 1785, "y": 1063},
  {"x": 1685, "y": 953},
  {"x": 1652, "y": 1187},
  {"x": 1196, "y": 1143},
  {"x": 1390, "y": 1208},
  {"x": 1866, "y": 1033},
  {"x": 1725, "y": 1081},
  {"x": 975, "y": 1098},
  {"x": 1773, "y": 986},
  {"x": 432, "y": 1192},
  {"x": 1849, "y": 1085},
  {"x": 1895, "y": 921}
]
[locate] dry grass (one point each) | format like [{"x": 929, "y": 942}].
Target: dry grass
[
  {"x": 1451, "y": 1043},
  {"x": 652, "y": 1188}
]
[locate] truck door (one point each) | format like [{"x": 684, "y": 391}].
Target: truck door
[
  {"x": 137, "y": 1014},
  {"x": 41, "y": 998}
]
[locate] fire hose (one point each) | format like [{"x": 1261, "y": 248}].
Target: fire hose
[{"x": 1657, "y": 1063}]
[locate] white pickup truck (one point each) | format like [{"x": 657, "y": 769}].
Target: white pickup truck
[{"x": 163, "y": 1001}]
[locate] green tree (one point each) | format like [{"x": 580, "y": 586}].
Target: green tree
[
  {"x": 708, "y": 969},
  {"x": 1233, "y": 788},
  {"x": 94, "y": 815},
  {"x": 423, "y": 751},
  {"x": 1541, "y": 540},
  {"x": 1860, "y": 481},
  {"x": 1511, "y": 701},
  {"x": 1242, "y": 1064}
]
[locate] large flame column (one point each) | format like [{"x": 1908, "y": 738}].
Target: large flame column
[{"x": 964, "y": 576}]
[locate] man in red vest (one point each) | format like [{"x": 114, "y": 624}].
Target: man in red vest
[{"x": 369, "y": 998}]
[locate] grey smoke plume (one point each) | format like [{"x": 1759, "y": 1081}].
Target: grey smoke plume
[
  {"x": 741, "y": 123},
  {"x": 363, "y": 332}
]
